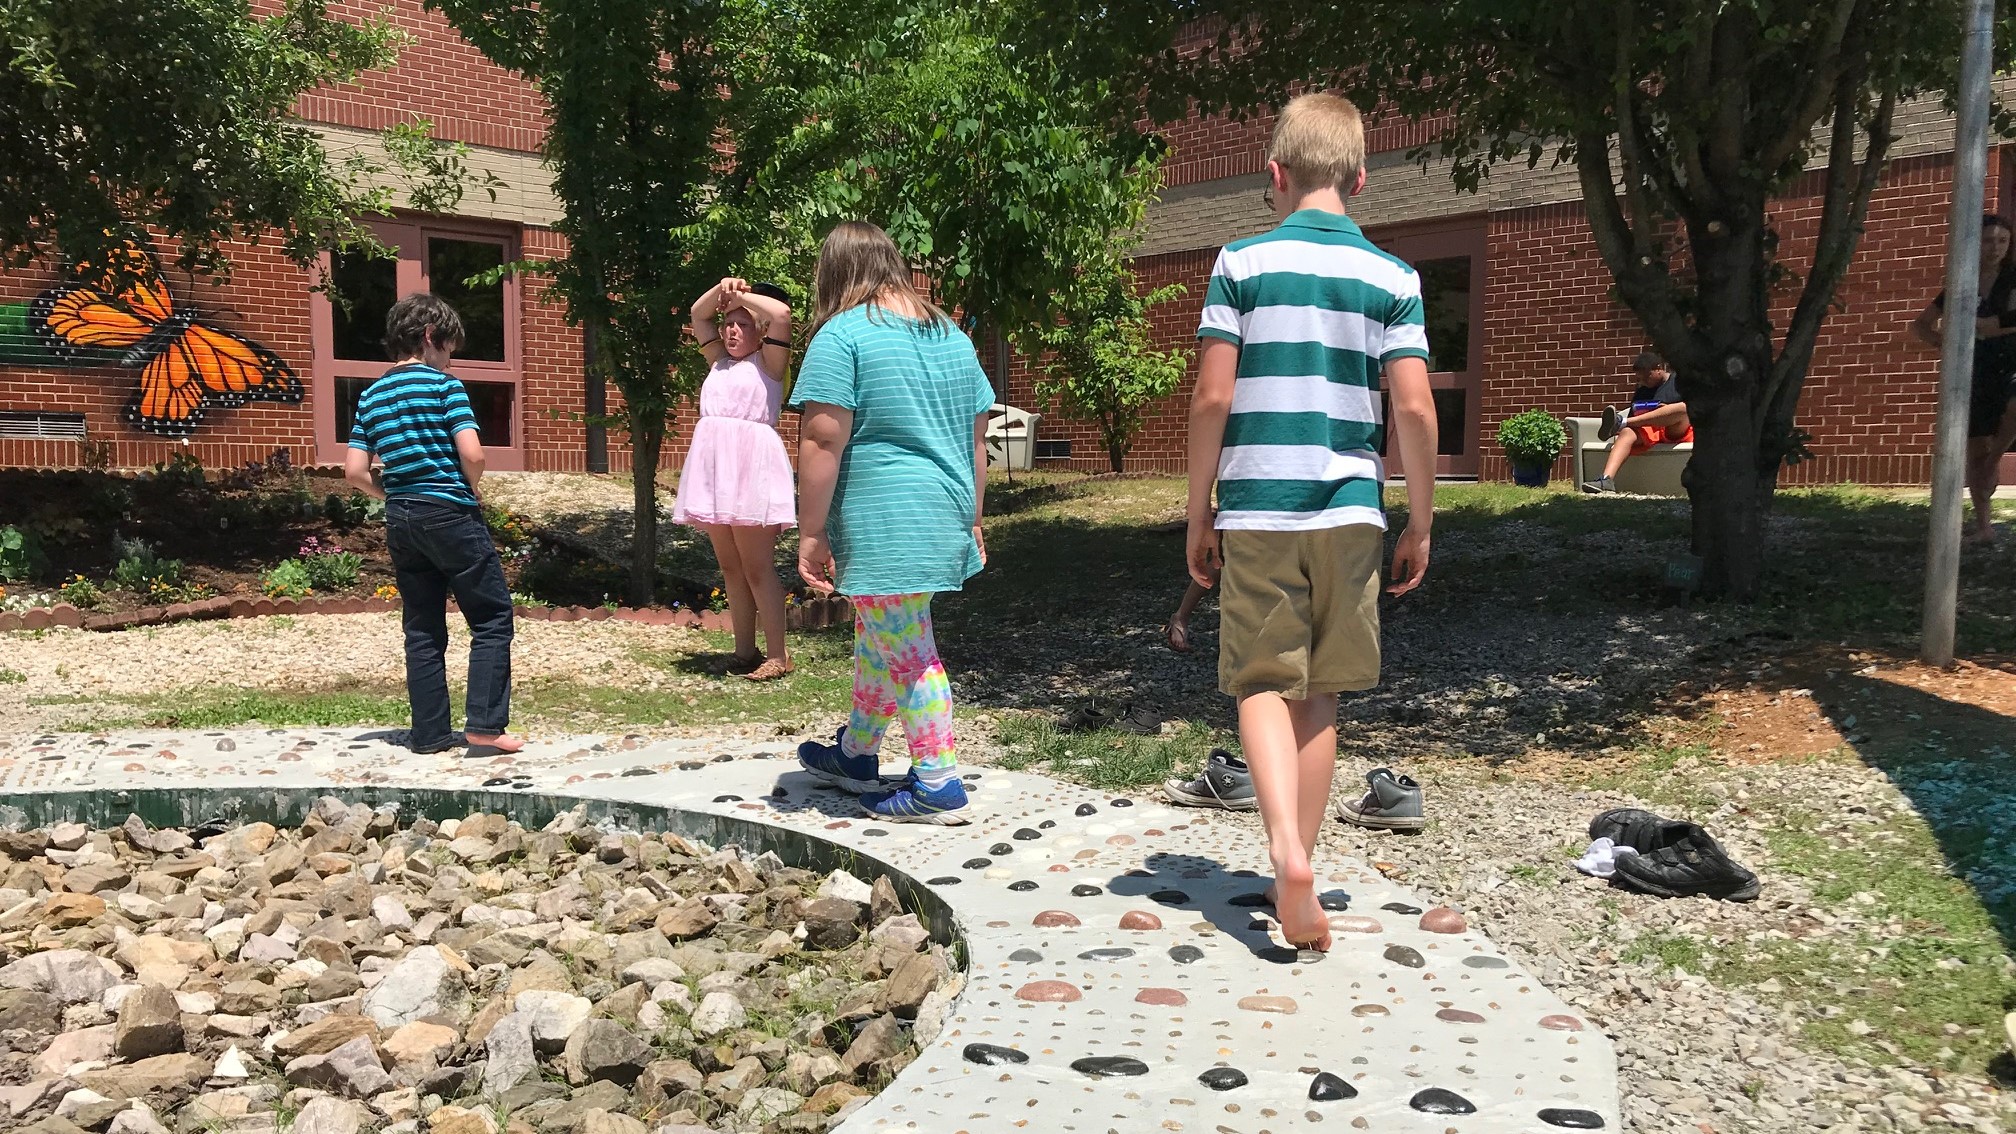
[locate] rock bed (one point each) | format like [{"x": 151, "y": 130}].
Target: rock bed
[{"x": 468, "y": 977}]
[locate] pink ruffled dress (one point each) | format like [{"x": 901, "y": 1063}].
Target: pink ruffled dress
[{"x": 737, "y": 471}]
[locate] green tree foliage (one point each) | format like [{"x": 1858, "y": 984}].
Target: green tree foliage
[
  {"x": 689, "y": 142},
  {"x": 1101, "y": 365},
  {"x": 1686, "y": 123},
  {"x": 174, "y": 115},
  {"x": 1000, "y": 172}
]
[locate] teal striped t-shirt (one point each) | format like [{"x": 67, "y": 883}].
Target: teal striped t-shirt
[
  {"x": 409, "y": 419},
  {"x": 902, "y": 516},
  {"x": 1316, "y": 311}
]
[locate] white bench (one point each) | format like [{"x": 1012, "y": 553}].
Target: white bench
[
  {"x": 1656, "y": 473},
  {"x": 1011, "y": 437}
]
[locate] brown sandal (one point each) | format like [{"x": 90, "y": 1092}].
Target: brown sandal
[
  {"x": 743, "y": 663},
  {"x": 770, "y": 670},
  {"x": 1177, "y": 635}
]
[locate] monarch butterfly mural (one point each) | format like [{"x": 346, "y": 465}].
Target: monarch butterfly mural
[{"x": 125, "y": 316}]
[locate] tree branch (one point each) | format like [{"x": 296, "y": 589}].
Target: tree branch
[
  {"x": 1642, "y": 282},
  {"x": 1811, "y": 104},
  {"x": 1846, "y": 206}
]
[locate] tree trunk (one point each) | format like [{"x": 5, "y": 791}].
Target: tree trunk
[
  {"x": 647, "y": 437},
  {"x": 1727, "y": 493}
]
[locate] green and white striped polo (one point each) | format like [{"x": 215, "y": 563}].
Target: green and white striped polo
[{"x": 1316, "y": 310}]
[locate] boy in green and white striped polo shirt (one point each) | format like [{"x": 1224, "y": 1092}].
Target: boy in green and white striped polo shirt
[{"x": 1301, "y": 327}]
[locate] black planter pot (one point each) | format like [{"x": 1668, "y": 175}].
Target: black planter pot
[{"x": 1533, "y": 476}]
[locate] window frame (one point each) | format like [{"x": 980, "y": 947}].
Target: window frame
[
  {"x": 1446, "y": 240},
  {"x": 408, "y": 236}
]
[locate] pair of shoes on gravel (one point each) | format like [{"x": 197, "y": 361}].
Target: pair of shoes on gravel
[
  {"x": 1675, "y": 858},
  {"x": 1391, "y": 803},
  {"x": 1093, "y": 716},
  {"x": 908, "y": 800}
]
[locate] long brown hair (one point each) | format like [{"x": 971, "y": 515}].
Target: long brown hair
[{"x": 858, "y": 264}]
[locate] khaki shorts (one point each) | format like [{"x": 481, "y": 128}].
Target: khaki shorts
[{"x": 1298, "y": 612}]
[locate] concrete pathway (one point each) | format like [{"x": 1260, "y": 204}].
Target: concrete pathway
[{"x": 1117, "y": 982}]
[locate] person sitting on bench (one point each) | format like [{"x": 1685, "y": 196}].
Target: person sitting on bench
[{"x": 1657, "y": 415}]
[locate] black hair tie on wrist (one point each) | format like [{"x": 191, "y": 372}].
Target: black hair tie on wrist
[{"x": 785, "y": 343}]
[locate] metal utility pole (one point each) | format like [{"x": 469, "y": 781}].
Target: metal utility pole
[{"x": 1956, "y": 356}]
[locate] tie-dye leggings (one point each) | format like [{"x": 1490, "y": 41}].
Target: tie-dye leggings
[{"x": 897, "y": 673}]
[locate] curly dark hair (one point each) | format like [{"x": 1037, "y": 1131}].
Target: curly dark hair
[{"x": 407, "y": 324}]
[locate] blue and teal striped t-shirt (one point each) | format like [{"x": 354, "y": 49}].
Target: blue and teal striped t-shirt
[{"x": 409, "y": 419}]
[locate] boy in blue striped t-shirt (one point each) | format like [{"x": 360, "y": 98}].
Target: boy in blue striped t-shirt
[
  {"x": 416, "y": 419},
  {"x": 1301, "y": 326}
]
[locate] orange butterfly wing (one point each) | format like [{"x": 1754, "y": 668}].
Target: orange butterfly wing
[
  {"x": 170, "y": 397},
  {"x": 90, "y": 314},
  {"x": 202, "y": 366}
]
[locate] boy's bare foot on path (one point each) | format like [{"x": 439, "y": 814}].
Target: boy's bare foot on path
[
  {"x": 1304, "y": 925},
  {"x": 500, "y": 744}
]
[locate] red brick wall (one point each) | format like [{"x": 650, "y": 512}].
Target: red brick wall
[
  {"x": 439, "y": 76},
  {"x": 1555, "y": 340}
]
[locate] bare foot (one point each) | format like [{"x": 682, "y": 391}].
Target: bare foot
[
  {"x": 502, "y": 742},
  {"x": 1304, "y": 925}
]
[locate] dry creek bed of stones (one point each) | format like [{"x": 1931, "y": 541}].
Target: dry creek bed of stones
[{"x": 366, "y": 974}]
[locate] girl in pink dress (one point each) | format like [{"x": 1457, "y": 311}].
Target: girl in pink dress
[{"x": 736, "y": 485}]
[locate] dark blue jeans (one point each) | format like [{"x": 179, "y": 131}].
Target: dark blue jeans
[{"x": 438, "y": 549}]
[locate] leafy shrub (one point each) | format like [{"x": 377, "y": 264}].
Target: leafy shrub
[
  {"x": 288, "y": 580},
  {"x": 140, "y": 569},
  {"x": 329, "y": 567},
  {"x": 20, "y": 554},
  {"x": 1532, "y": 438},
  {"x": 81, "y": 593},
  {"x": 182, "y": 470}
]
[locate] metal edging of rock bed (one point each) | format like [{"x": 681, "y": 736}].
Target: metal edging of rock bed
[{"x": 289, "y": 807}]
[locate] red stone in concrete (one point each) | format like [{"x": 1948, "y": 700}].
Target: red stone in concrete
[
  {"x": 1051, "y": 919},
  {"x": 1283, "y": 1005},
  {"x": 1138, "y": 919},
  {"x": 1459, "y": 1016},
  {"x": 1049, "y": 992},
  {"x": 1442, "y": 919},
  {"x": 1355, "y": 923},
  {"x": 1166, "y": 997},
  {"x": 1561, "y": 1023}
]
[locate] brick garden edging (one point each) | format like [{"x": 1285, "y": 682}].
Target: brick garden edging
[{"x": 809, "y": 615}]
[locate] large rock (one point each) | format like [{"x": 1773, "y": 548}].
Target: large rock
[
  {"x": 26, "y": 1010},
  {"x": 70, "y": 975},
  {"x": 846, "y": 887},
  {"x": 351, "y": 1070},
  {"x": 512, "y": 1056},
  {"x": 652, "y": 972},
  {"x": 149, "y": 1079},
  {"x": 912, "y": 981},
  {"x": 136, "y": 1120},
  {"x": 606, "y": 1122},
  {"x": 96, "y": 877},
  {"x": 688, "y": 920},
  {"x": 150, "y": 1024},
  {"x": 460, "y": 1120},
  {"x": 605, "y": 1049},
  {"x": 24, "y": 845},
  {"x": 328, "y": 1115},
  {"x": 555, "y": 1016},
  {"x": 145, "y": 838},
  {"x": 420, "y": 1043},
  {"x": 882, "y": 902},
  {"x": 423, "y": 983},
  {"x": 831, "y": 923},
  {"x": 326, "y": 1035},
  {"x": 903, "y": 931},
  {"x": 719, "y": 1012},
  {"x": 879, "y": 1040},
  {"x": 68, "y": 1049},
  {"x": 165, "y": 961},
  {"x": 768, "y": 1104},
  {"x": 68, "y": 911},
  {"x": 664, "y": 1079}
]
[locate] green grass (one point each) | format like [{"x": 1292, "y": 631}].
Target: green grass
[
  {"x": 12, "y": 677},
  {"x": 1107, "y": 758},
  {"x": 228, "y": 707}
]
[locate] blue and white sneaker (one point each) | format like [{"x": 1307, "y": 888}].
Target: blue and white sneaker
[
  {"x": 830, "y": 763},
  {"x": 912, "y": 802}
]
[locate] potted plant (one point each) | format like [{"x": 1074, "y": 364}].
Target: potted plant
[{"x": 1531, "y": 441}]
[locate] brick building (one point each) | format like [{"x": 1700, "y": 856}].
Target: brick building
[{"x": 1518, "y": 301}]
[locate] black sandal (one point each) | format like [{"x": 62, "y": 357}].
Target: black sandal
[{"x": 1088, "y": 717}]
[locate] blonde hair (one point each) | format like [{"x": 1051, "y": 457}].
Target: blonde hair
[
  {"x": 859, "y": 264},
  {"x": 1320, "y": 138}
]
